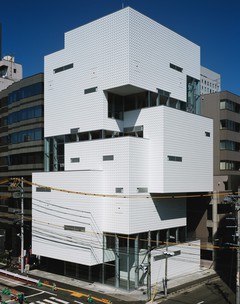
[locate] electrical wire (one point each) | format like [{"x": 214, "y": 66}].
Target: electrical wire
[
  {"x": 15, "y": 182},
  {"x": 16, "y": 179}
]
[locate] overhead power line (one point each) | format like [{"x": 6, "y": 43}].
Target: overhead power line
[{"x": 17, "y": 180}]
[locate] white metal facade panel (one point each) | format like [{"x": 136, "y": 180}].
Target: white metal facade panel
[
  {"x": 99, "y": 52},
  {"x": 122, "y": 48},
  {"x": 187, "y": 262},
  {"x": 128, "y": 171},
  {"x": 152, "y": 48},
  {"x": 52, "y": 210},
  {"x": 156, "y": 214},
  {"x": 185, "y": 136},
  {"x": 170, "y": 134}
]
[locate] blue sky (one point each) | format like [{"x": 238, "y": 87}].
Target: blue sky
[{"x": 32, "y": 29}]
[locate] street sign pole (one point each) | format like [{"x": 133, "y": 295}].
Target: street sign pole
[
  {"x": 238, "y": 254},
  {"x": 235, "y": 199},
  {"x": 22, "y": 227}
]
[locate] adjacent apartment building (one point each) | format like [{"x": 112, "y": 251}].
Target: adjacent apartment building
[
  {"x": 224, "y": 108},
  {"x": 124, "y": 148},
  {"x": 21, "y": 153}
]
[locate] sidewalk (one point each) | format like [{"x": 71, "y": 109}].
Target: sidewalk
[
  {"x": 174, "y": 285},
  {"x": 180, "y": 284}
]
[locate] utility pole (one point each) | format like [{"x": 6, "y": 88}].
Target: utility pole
[
  {"x": 22, "y": 225},
  {"x": 237, "y": 208},
  {"x": 19, "y": 185},
  {"x": 149, "y": 294},
  {"x": 166, "y": 264},
  {"x": 234, "y": 199}
]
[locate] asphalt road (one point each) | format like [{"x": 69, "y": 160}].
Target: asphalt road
[
  {"x": 64, "y": 294},
  {"x": 215, "y": 291},
  {"x": 211, "y": 291}
]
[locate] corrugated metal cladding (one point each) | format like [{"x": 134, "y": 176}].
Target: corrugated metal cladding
[{"x": 104, "y": 191}]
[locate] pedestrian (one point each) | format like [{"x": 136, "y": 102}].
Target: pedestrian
[
  {"x": 89, "y": 299},
  {"x": 54, "y": 287},
  {"x": 21, "y": 298}
]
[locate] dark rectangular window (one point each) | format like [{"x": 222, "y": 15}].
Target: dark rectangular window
[
  {"x": 142, "y": 190},
  {"x": 25, "y": 92},
  {"x": 90, "y": 90},
  {"x": 207, "y": 134},
  {"x": 108, "y": 157},
  {"x": 75, "y": 160},
  {"x": 74, "y": 130},
  {"x": 119, "y": 190},
  {"x": 175, "y": 67},
  {"x": 42, "y": 189},
  {"x": 175, "y": 158},
  {"x": 74, "y": 228},
  {"x": 63, "y": 68}
]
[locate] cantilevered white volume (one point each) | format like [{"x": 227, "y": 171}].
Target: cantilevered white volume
[{"x": 124, "y": 145}]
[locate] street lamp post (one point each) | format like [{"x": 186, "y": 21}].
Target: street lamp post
[
  {"x": 166, "y": 266},
  {"x": 22, "y": 226},
  {"x": 21, "y": 196},
  {"x": 237, "y": 209},
  {"x": 149, "y": 293},
  {"x": 167, "y": 254},
  {"x": 235, "y": 200}
]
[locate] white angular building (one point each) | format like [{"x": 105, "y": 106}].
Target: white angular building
[{"x": 124, "y": 147}]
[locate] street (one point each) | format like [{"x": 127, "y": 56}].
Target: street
[
  {"x": 45, "y": 294},
  {"x": 213, "y": 291}
]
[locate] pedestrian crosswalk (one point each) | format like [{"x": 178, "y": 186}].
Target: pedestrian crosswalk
[{"x": 51, "y": 300}]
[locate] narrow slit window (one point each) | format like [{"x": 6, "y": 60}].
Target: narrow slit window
[
  {"x": 75, "y": 159},
  {"x": 175, "y": 67},
  {"x": 174, "y": 158},
  {"x": 43, "y": 189},
  {"x": 142, "y": 190},
  {"x": 74, "y": 228},
  {"x": 108, "y": 157},
  {"x": 90, "y": 90},
  {"x": 63, "y": 68}
]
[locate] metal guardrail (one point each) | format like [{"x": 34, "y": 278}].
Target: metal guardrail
[{"x": 18, "y": 276}]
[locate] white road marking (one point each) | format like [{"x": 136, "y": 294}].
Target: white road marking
[
  {"x": 35, "y": 294},
  {"x": 16, "y": 283},
  {"x": 78, "y": 302},
  {"x": 59, "y": 300},
  {"x": 10, "y": 281},
  {"x": 49, "y": 301},
  {"x": 200, "y": 302}
]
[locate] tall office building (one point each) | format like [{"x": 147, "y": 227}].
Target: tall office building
[
  {"x": 21, "y": 153},
  {"x": 210, "y": 81},
  {"x": 123, "y": 150}
]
